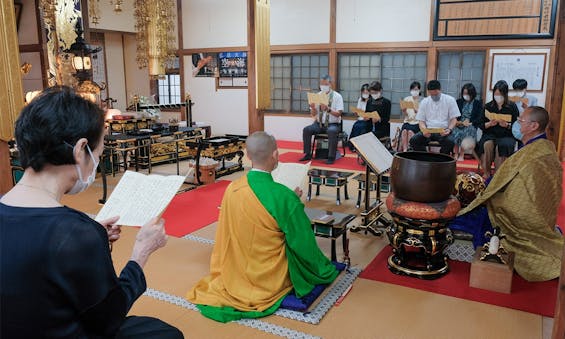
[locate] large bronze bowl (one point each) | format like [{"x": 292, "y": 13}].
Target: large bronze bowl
[{"x": 422, "y": 176}]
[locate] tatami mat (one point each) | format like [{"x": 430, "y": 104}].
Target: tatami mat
[{"x": 371, "y": 310}]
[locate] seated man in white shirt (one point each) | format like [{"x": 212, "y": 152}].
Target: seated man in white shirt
[
  {"x": 438, "y": 111},
  {"x": 327, "y": 120}
]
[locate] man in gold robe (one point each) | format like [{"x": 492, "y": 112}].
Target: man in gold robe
[
  {"x": 265, "y": 246},
  {"x": 523, "y": 199}
]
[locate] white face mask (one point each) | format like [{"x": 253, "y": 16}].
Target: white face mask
[
  {"x": 521, "y": 94},
  {"x": 365, "y": 96},
  {"x": 324, "y": 88},
  {"x": 376, "y": 95},
  {"x": 81, "y": 185},
  {"x": 499, "y": 99},
  {"x": 436, "y": 97},
  {"x": 467, "y": 97},
  {"x": 415, "y": 93}
]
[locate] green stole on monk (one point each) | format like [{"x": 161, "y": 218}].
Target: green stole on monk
[
  {"x": 522, "y": 199},
  {"x": 299, "y": 265}
]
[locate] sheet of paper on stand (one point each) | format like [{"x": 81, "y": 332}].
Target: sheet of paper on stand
[
  {"x": 497, "y": 116},
  {"x": 318, "y": 98},
  {"x": 138, "y": 197},
  {"x": 291, "y": 175},
  {"x": 324, "y": 219},
  {"x": 373, "y": 151}
]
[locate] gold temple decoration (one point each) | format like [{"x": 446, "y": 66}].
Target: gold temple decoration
[
  {"x": 263, "y": 53},
  {"x": 154, "y": 22},
  {"x": 47, "y": 8},
  {"x": 117, "y": 5},
  {"x": 25, "y": 67},
  {"x": 11, "y": 96},
  {"x": 94, "y": 11}
]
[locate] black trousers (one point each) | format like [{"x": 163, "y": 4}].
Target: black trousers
[
  {"x": 147, "y": 327},
  {"x": 310, "y": 130},
  {"x": 419, "y": 142}
]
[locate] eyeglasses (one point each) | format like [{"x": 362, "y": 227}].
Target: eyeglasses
[{"x": 522, "y": 120}]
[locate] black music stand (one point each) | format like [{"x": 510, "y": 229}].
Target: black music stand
[{"x": 377, "y": 160}]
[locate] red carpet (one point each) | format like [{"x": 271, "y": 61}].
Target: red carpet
[
  {"x": 345, "y": 163},
  {"x": 538, "y": 298},
  {"x": 289, "y": 144},
  {"x": 192, "y": 210}
]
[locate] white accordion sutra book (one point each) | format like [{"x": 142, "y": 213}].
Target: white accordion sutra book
[
  {"x": 291, "y": 175},
  {"x": 138, "y": 197}
]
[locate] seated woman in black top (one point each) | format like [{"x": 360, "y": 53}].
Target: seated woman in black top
[
  {"x": 362, "y": 125},
  {"x": 465, "y": 131},
  {"x": 497, "y": 134},
  {"x": 58, "y": 280},
  {"x": 382, "y": 106}
]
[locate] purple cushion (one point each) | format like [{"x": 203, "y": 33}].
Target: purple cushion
[{"x": 292, "y": 302}]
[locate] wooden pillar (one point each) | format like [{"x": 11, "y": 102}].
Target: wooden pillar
[
  {"x": 432, "y": 66},
  {"x": 258, "y": 62},
  {"x": 332, "y": 58},
  {"x": 555, "y": 102},
  {"x": 559, "y": 317},
  {"x": 11, "y": 95}
]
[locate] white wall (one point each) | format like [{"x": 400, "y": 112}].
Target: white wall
[
  {"x": 214, "y": 23},
  {"x": 137, "y": 80},
  {"x": 290, "y": 128},
  {"x": 540, "y": 95},
  {"x": 225, "y": 109},
  {"x": 33, "y": 80},
  {"x": 115, "y": 66},
  {"x": 27, "y": 30},
  {"x": 383, "y": 20},
  {"x": 300, "y": 22}
]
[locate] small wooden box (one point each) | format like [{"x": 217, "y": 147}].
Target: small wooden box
[{"x": 492, "y": 276}]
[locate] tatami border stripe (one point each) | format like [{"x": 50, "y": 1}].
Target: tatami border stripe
[
  {"x": 251, "y": 323},
  {"x": 199, "y": 239},
  {"x": 315, "y": 315}
]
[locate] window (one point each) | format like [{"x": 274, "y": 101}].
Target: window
[
  {"x": 458, "y": 68},
  {"x": 169, "y": 89},
  {"x": 292, "y": 76},
  {"x": 395, "y": 71}
]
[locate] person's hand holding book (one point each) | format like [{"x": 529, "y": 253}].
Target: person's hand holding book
[{"x": 150, "y": 238}]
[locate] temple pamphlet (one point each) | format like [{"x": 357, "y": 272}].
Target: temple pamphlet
[
  {"x": 498, "y": 116},
  {"x": 366, "y": 115},
  {"x": 318, "y": 99},
  {"x": 138, "y": 197},
  {"x": 407, "y": 104},
  {"x": 518, "y": 99},
  {"x": 373, "y": 152},
  {"x": 290, "y": 174},
  {"x": 433, "y": 130}
]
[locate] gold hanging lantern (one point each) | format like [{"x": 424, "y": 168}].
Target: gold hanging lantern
[{"x": 155, "y": 37}]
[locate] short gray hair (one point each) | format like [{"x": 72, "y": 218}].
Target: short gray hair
[
  {"x": 326, "y": 77},
  {"x": 260, "y": 146}
]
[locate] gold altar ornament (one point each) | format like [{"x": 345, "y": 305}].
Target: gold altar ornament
[{"x": 154, "y": 22}]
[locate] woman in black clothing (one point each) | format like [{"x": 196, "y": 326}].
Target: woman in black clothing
[
  {"x": 58, "y": 280},
  {"x": 497, "y": 134},
  {"x": 362, "y": 125},
  {"x": 382, "y": 106}
]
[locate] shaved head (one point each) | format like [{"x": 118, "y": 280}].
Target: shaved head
[
  {"x": 539, "y": 115},
  {"x": 260, "y": 148}
]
